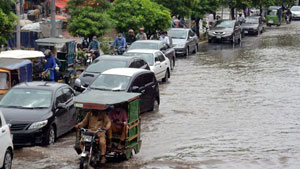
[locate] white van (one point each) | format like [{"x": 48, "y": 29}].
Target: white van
[{"x": 6, "y": 146}]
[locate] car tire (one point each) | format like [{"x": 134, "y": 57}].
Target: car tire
[
  {"x": 50, "y": 136},
  {"x": 7, "y": 163},
  {"x": 166, "y": 78}
]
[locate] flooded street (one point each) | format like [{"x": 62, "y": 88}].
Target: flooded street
[{"x": 226, "y": 107}]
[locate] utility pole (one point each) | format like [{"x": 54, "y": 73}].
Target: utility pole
[
  {"x": 18, "y": 25},
  {"x": 53, "y": 22}
]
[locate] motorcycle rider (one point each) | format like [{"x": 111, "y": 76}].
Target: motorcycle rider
[
  {"x": 131, "y": 37},
  {"x": 164, "y": 37},
  {"x": 94, "y": 120},
  {"x": 241, "y": 19},
  {"x": 94, "y": 47},
  {"x": 141, "y": 35},
  {"x": 120, "y": 43}
]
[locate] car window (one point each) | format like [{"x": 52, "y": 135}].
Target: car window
[
  {"x": 161, "y": 57},
  {"x": 148, "y": 78},
  {"x": 191, "y": 34},
  {"x": 135, "y": 64},
  {"x": 60, "y": 97},
  {"x": 68, "y": 94},
  {"x": 139, "y": 81}
]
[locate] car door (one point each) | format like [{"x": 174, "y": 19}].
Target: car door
[
  {"x": 193, "y": 42},
  {"x": 61, "y": 113},
  {"x": 72, "y": 116},
  {"x": 164, "y": 63},
  {"x": 160, "y": 67},
  {"x": 2, "y": 141},
  {"x": 150, "y": 90},
  {"x": 139, "y": 83},
  {"x": 167, "y": 50}
]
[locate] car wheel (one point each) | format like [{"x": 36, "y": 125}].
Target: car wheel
[
  {"x": 50, "y": 136},
  {"x": 187, "y": 52},
  {"x": 7, "y": 160},
  {"x": 167, "y": 75}
]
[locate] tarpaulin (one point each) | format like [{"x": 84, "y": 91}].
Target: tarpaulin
[{"x": 61, "y": 3}]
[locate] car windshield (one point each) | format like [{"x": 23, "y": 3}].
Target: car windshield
[
  {"x": 252, "y": 20},
  {"x": 148, "y": 57},
  {"x": 111, "y": 82},
  {"x": 225, "y": 24},
  {"x": 144, "y": 45},
  {"x": 4, "y": 81},
  {"x": 103, "y": 65},
  {"x": 177, "y": 34},
  {"x": 295, "y": 8},
  {"x": 27, "y": 98}
]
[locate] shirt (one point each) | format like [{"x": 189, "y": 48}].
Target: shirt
[
  {"x": 119, "y": 117},
  {"x": 130, "y": 39},
  {"x": 94, "y": 45},
  {"x": 165, "y": 39},
  {"x": 50, "y": 65},
  {"x": 141, "y": 36},
  {"x": 120, "y": 42},
  {"x": 94, "y": 122}
]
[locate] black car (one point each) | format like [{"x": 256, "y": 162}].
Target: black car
[
  {"x": 39, "y": 112},
  {"x": 104, "y": 63},
  {"x": 164, "y": 47},
  {"x": 253, "y": 25},
  {"x": 225, "y": 30},
  {"x": 130, "y": 80},
  {"x": 185, "y": 41}
]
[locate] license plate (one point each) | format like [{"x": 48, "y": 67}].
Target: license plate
[
  {"x": 271, "y": 21},
  {"x": 219, "y": 37},
  {"x": 87, "y": 138},
  {"x": 246, "y": 31}
]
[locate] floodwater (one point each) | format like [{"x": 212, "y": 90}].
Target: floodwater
[{"x": 226, "y": 107}]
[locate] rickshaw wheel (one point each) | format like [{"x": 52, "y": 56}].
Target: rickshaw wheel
[{"x": 128, "y": 156}]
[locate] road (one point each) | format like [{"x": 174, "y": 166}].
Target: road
[{"x": 226, "y": 107}]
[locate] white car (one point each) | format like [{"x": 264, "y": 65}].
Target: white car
[
  {"x": 6, "y": 145},
  {"x": 295, "y": 12},
  {"x": 158, "y": 62}
]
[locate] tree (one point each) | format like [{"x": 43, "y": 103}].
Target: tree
[
  {"x": 89, "y": 17},
  {"x": 7, "y": 18},
  {"x": 177, "y": 7},
  {"x": 133, "y": 14}
]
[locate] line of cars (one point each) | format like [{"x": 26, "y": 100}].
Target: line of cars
[{"x": 39, "y": 112}]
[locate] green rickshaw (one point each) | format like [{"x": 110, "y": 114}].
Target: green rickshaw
[
  {"x": 274, "y": 16},
  {"x": 105, "y": 101}
]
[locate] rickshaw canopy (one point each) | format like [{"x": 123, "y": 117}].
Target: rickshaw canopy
[
  {"x": 275, "y": 7},
  {"x": 22, "y": 54},
  {"x": 94, "y": 99},
  {"x": 53, "y": 41},
  {"x": 12, "y": 64}
]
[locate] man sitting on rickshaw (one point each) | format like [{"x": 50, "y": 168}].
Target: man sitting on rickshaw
[
  {"x": 94, "y": 120},
  {"x": 119, "y": 120}
]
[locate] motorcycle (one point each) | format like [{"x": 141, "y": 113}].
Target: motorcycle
[
  {"x": 118, "y": 51},
  {"x": 90, "y": 152}
]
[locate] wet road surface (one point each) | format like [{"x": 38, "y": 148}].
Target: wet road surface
[{"x": 226, "y": 107}]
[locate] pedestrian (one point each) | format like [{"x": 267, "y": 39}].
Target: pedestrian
[
  {"x": 211, "y": 20},
  {"x": 241, "y": 19},
  {"x": 141, "y": 35},
  {"x": 164, "y": 37},
  {"x": 50, "y": 65},
  {"x": 94, "y": 47},
  {"x": 131, "y": 37}
]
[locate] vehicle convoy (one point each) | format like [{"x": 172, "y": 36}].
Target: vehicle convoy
[
  {"x": 107, "y": 101},
  {"x": 64, "y": 49},
  {"x": 166, "y": 49},
  {"x": 184, "y": 40},
  {"x": 253, "y": 25},
  {"x": 12, "y": 72},
  {"x": 159, "y": 63},
  {"x": 295, "y": 12},
  {"x": 225, "y": 30},
  {"x": 104, "y": 63},
  {"x": 6, "y": 145},
  {"x": 132, "y": 81},
  {"x": 274, "y": 16},
  {"x": 39, "y": 112}
]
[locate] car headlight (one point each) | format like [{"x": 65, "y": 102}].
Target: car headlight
[
  {"x": 227, "y": 33},
  {"x": 78, "y": 82},
  {"x": 38, "y": 125},
  {"x": 181, "y": 45}
]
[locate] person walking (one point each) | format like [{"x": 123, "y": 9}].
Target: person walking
[{"x": 141, "y": 35}]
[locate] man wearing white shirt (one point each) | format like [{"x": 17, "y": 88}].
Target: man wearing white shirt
[{"x": 164, "y": 37}]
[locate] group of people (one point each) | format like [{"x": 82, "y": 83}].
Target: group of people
[{"x": 114, "y": 123}]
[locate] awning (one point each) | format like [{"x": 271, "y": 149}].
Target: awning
[
  {"x": 61, "y": 3},
  {"x": 59, "y": 17}
]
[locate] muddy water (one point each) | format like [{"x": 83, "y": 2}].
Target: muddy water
[{"x": 226, "y": 107}]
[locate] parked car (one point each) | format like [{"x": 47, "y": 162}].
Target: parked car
[
  {"x": 168, "y": 50},
  {"x": 39, "y": 112},
  {"x": 295, "y": 12},
  {"x": 253, "y": 25},
  {"x": 159, "y": 63},
  {"x": 225, "y": 30},
  {"x": 130, "y": 80},
  {"x": 184, "y": 40},
  {"x": 104, "y": 63},
  {"x": 6, "y": 145}
]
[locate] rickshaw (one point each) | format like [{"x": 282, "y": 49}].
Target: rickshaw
[
  {"x": 64, "y": 49},
  {"x": 105, "y": 101},
  {"x": 274, "y": 15},
  {"x": 34, "y": 56},
  {"x": 12, "y": 72}
]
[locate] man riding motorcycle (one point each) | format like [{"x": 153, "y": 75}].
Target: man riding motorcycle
[
  {"x": 94, "y": 120},
  {"x": 94, "y": 47},
  {"x": 120, "y": 44}
]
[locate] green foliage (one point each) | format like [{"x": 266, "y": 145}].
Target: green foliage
[
  {"x": 201, "y": 7},
  {"x": 89, "y": 17},
  {"x": 177, "y": 7},
  {"x": 7, "y": 18},
  {"x": 133, "y": 14}
]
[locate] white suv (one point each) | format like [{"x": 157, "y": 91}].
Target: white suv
[{"x": 6, "y": 145}]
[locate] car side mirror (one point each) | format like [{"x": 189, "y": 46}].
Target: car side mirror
[
  {"x": 61, "y": 106},
  {"x": 135, "y": 89}
]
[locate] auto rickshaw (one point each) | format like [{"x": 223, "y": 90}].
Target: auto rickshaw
[
  {"x": 274, "y": 15},
  {"x": 105, "y": 101},
  {"x": 12, "y": 72},
  {"x": 64, "y": 49}
]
